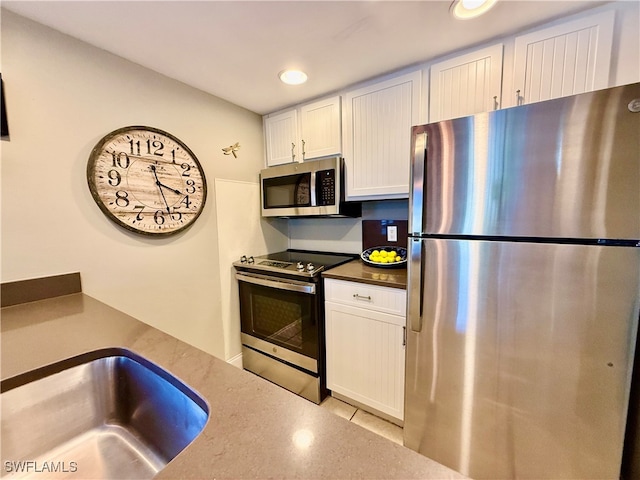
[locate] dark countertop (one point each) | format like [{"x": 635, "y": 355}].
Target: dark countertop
[
  {"x": 252, "y": 422},
  {"x": 358, "y": 271}
]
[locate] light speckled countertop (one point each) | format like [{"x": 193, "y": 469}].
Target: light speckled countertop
[
  {"x": 252, "y": 422},
  {"x": 358, "y": 271}
]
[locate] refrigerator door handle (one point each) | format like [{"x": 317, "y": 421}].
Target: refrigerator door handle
[
  {"x": 416, "y": 195},
  {"x": 416, "y": 268}
]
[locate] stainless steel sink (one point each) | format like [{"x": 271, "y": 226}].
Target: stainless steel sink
[{"x": 105, "y": 414}]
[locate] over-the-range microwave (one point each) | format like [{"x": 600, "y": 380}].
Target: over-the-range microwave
[{"x": 313, "y": 188}]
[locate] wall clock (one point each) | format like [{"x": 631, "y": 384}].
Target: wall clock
[{"x": 147, "y": 181}]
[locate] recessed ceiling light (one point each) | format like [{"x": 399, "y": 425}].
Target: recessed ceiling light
[
  {"x": 293, "y": 77},
  {"x": 465, "y": 9}
]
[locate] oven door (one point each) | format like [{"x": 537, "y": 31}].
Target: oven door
[{"x": 279, "y": 317}]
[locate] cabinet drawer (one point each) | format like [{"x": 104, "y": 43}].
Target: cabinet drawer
[{"x": 372, "y": 297}]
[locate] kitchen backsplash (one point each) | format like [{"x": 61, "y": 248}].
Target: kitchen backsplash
[
  {"x": 375, "y": 233},
  {"x": 344, "y": 235}
]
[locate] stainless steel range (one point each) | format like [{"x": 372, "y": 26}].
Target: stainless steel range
[{"x": 282, "y": 318}]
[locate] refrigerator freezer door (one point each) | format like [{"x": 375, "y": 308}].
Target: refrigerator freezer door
[
  {"x": 564, "y": 168},
  {"x": 521, "y": 366}
]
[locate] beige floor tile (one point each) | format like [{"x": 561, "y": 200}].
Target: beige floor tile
[
  {"x": 339, "y": 407},
  {"x": 378, "y": 425}
]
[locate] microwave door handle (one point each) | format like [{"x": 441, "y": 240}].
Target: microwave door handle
[
  {"x": 292, "y": 286},
  {"x": 312, "y": 188}
]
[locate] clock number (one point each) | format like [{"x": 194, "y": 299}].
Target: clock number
[
  {"x": 120, "y": 160},
  {"x": 186, "y": 201},
  {"x": 173, "y": 156},
  {"x": 114, "y": 178},
  {"x": 122, "y": 198},
  {"x": 139, "y": 217},
  {"x": 158, "y": 217},
  {"x": 186, "y": 167},
  {"x": 158, "y": 145},
  {"x": 176, "y": 215},
  {"x": 137, "y": 145},
  {"x": 191, "y": 186}
]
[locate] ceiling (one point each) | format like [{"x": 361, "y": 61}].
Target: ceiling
[{"x": 235, "y": 49}]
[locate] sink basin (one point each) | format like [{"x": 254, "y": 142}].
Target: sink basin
[{"x": 105, "y": 414}]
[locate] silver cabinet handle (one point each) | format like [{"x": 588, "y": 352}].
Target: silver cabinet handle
[
  {"x": 362, "y": 297},
  {"x": 303, "y": 151},
  {"x": 495, "y": 102},
  {"x": 293, "y": 155},
  {"x": 518, "y": 98}
]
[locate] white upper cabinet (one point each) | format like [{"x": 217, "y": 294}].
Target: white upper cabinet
[
  {"x": 466, "y": 84},
  {"x": 310, "y": 131},
  {"x": 321, "y": 128},
  {"x": 281, "y": 137},
  {"x": 566, "y": 59},
  {"x": 377, "y": 137}
]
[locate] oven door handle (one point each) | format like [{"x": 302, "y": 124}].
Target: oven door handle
[{"x": 280, "y": 283}]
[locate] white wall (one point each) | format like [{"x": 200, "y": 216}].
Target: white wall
[{"x": 62, "y": 97}]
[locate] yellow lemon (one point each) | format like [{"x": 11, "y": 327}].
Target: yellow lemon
[
  {"x": 383, "y": 253},
  {"x": 398, "y": 259},
  {"x": 393, "y": 254}
]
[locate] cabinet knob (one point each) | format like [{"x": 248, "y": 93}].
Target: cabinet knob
[{"x": 518, "y": 98}]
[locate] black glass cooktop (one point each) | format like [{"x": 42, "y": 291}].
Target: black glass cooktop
[{"x": 295, "y": 262}]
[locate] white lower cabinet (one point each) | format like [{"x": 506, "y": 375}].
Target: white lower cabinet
[{"x": 366, "y": 344}]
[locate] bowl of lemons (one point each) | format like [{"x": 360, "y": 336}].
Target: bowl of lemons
[{"x": 386, "y": 257}]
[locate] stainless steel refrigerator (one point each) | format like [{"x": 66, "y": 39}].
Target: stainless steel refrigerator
[{"x": 524, "y": 287}]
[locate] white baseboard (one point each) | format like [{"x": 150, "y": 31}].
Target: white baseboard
[{"x": 236, "y": 361}]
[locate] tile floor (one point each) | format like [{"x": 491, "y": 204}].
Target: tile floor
[{"x": 364, "y": 419}]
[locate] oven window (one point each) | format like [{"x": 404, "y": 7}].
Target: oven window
[{"x": 281, "y": 317}]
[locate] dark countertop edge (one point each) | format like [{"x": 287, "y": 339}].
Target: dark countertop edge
[{"x": 31, "y": 290}]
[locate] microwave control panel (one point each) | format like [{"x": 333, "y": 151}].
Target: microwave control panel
[{"x": 326, "y": 187}]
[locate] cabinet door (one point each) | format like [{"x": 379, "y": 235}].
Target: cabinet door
[
  {"x": 281, "y": 137},
  {"x": 466, "y": 84},
  {"x": 377, "y": 137},
  {"x": 365, "y": 357},
  {"x": 563, "y": 60},
  {"x": 321, "y": 128}
]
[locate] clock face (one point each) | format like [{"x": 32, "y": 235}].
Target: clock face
[{"x": 147, "y": 181}]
